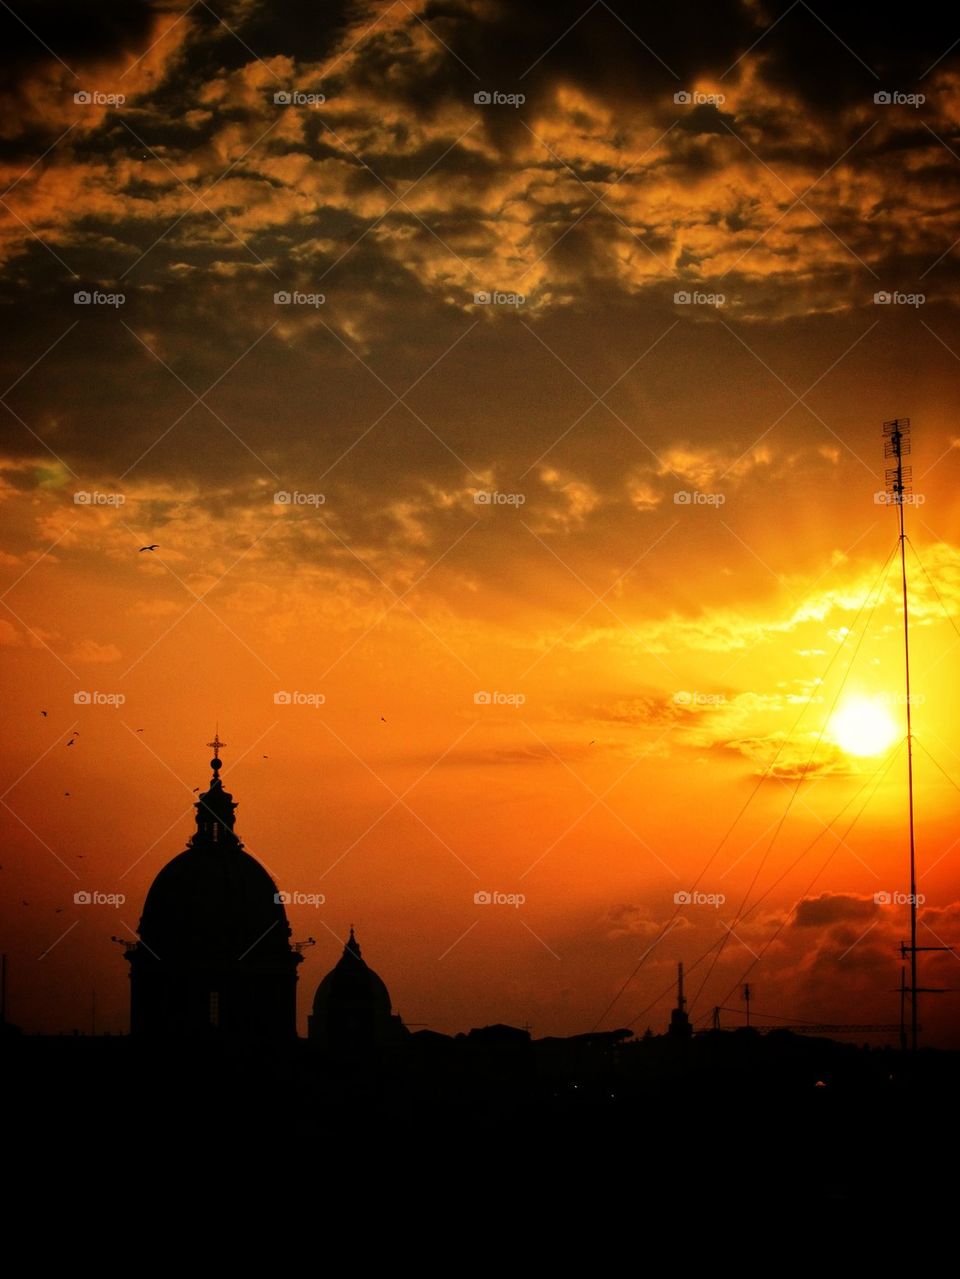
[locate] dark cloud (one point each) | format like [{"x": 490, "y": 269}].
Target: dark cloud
[{"x": 834, "y": 908}]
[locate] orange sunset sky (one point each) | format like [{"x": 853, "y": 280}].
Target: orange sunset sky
[{"x": 513, "y": 460}]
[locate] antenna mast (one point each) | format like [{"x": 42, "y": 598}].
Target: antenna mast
[{"x": 896, "y": 446}]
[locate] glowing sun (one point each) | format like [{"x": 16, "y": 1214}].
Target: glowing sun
[{"x": 861, "y": 726}]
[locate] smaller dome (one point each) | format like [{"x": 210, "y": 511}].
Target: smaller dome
[{"x": 351, "y": 1009}]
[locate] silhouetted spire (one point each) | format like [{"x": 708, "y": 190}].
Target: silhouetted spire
[
  {"x": 352, "y": 947},
  {"x": 215, "y": 808}
]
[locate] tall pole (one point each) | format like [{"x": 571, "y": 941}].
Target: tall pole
[{"x": 898, "y": 443}]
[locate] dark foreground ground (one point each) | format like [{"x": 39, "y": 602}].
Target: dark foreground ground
[{"x": 493, "y": 1128}]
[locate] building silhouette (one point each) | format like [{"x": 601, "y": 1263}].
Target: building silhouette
[
  {"x": 352, "y": 1014},
  {"x": 214, "y": 957}
]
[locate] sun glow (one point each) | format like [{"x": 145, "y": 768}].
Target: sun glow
[{"x": 863, "y": 726}]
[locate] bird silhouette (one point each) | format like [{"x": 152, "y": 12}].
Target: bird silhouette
[
  {"x": 67, "y": 794},
  {"x": 139, "y": 730},
  {"x": 44, "y": 714},
  {"x": 58, "y": 911},
  {"x": 382, "y": 720},
  {"x": 153, "y": 547},
  {"x": 71, "y": 741},
  {"x": 264, "y": 756},
  {"x": 195, "y": 789}
]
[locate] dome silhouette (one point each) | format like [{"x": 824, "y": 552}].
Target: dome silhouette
[{"x": 213, "y": 956}]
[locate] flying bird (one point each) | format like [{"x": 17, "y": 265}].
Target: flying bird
[
  {"x": 195, "y": 789},
  {"x": 382, "y": 720},
  {"x": 71, "y": 741},
  {"x": 264, "y": 756},
  {"x": 139, "y": 730},
  {"x": 152, "y": 547},
  {"x": 44, "y": 714}
]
